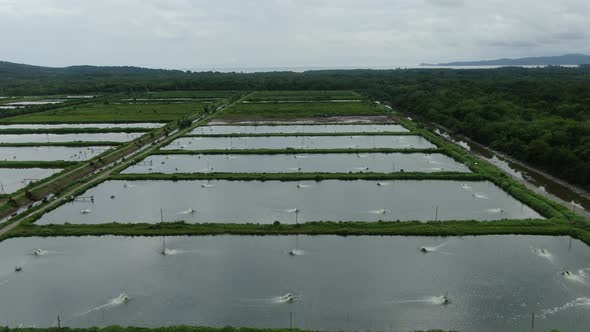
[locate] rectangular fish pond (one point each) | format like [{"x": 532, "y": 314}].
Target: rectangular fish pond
[
  {"x": 82, "y": 125},
  {"x": 289, "y": 202},
  {"x": 293, "y": 163},
  {"x": 50, "y": 153},
  {"x": 484, "y": 284},
  {"x": 61, "y": 138},
  {"x": 291, "y": 129},
  {"x": 13, "y": 179},
  {"x": 300, "y": 142}
]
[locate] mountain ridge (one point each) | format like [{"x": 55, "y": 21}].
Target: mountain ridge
[{"x": 566, "y": 59}]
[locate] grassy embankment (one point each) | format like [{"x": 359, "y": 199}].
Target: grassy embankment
[
  {"x": 37, "y": 164},
  {"x": 217, "y": 95},
  {"x": 109, "y": 112},
  {"x": 307, "y": 95},
  {"x": 296, "y": 110}
]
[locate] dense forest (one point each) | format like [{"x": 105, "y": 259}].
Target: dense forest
[{"x": 538, "y": 115}]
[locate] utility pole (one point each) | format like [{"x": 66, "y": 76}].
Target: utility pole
[
  {"x": 436, "y": 214},
  {"x": 533, "y": 322},
  {"x": 58, "y": 322},
  {"x": 291, "y": 321}
]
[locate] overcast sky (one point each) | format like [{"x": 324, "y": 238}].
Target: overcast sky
[{"x": 192, "y": 34}]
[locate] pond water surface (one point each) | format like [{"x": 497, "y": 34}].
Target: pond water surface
[
  {"x": 82, "y": 125},
  {"x": 493, "y": 283},
  {"x": 13, "y": 179},
  {"x": 265, "y": 129},
  {"x": 292, "y": 163},
  {"x": 301, "y": 142},
  {"x": 289, "y": 202},
  {"x": 60, "y": 138},
  {"x": 50, "y": 153}
]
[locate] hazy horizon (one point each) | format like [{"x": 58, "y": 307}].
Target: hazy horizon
[{"x": 232, "y": 34}]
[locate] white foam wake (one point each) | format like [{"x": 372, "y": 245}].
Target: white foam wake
[
  {"x": 579, "y": 302},
  {"x": 114, "y": 302}
]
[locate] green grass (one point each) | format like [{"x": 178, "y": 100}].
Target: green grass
[
  {"x": 186, "y": 94},
  {"x": 111, "y": 113},
  {"x": 304, "y": 95},
  {"x": 389, "y": 228},
  {"x": 300, "y": 110},
  {"x": 37, "y": 164}
]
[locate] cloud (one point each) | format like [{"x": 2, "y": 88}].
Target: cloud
[{"x": 270, "y": 33}]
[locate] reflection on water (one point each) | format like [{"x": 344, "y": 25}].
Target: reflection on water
[
  {"x": 481, "y": 284},
  {"x": 543, "y": 185},
  {"x": 50, "y": 153},
  {"x": 300, "y": 142},
  {"x": 326, "y": 163},
  {"x": 233, "y": 202},
  {"x": 81, "y": 125},
  {"x": 291, "y": 129},
  {"x": 13, "y": 179},
  {"x": 55, "y": 138}
]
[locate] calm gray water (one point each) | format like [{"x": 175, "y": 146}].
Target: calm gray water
[
  {"x": 55, "y": 138},
  {"x": 82, "y": 125},
  {"x": 50, "y": 153},
  {"x": 13, "y": 179},
  {"x": 265, "y": 202},
  {"x": 493, "y": 283},
  {"x": 290, "y": 163},
  {"x": 288, "y": 129},
  {"x": 301, "y": 142}
]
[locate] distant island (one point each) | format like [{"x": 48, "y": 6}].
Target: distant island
[{"x": 568, "y": 59}]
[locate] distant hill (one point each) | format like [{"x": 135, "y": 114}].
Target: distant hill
[
  {"x": 16, "y": 70},
  {"x": 568, "y": 59}
]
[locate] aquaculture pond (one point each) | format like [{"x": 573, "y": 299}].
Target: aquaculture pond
[
  {"x": 292, "y": 163},
  {"x": 301, "y": 142},
  {"x": 59, "y": 138},
  {"x": 50, "y": 153},
  {"x": 13, "y": 179},
  {"x": 82, "y": 125},
  {"x": 288, "y": 202},
  {"x": 290, "y": 129},
  {"x": 491, "y": 283}
]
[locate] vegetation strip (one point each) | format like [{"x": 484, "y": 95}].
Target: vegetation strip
[
  {"x": 304, "y": 134},
  {"x": 20, "y": 131},
  {"x": 37, "y": 164},
  {"x": 380, "y": 228},
  {"x": 302, "y": 176},
  {"x": 297, "y": 151}
]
